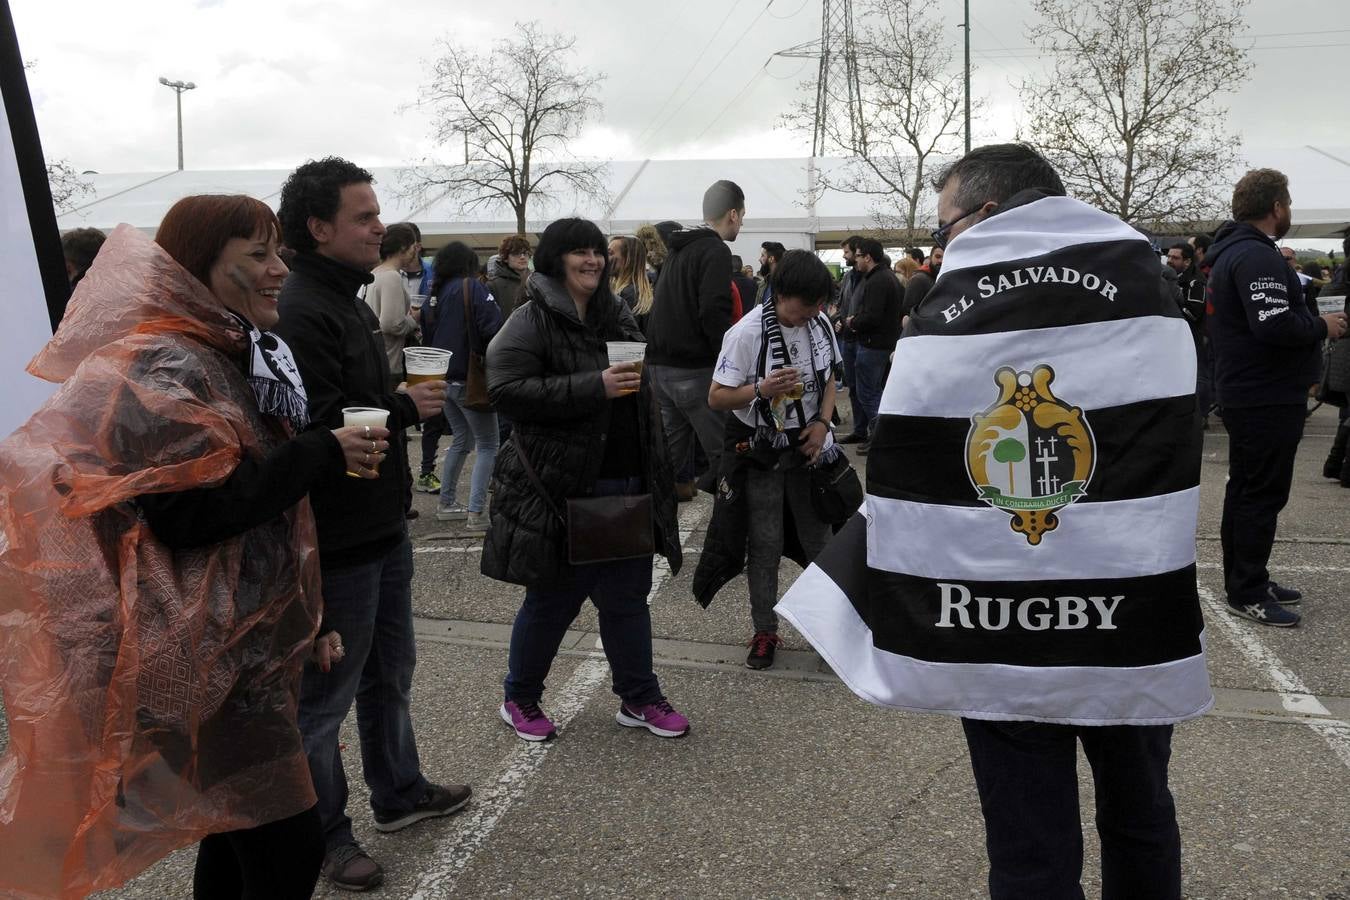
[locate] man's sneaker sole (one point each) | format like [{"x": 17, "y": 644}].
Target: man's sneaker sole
[
  {"x": 355, "y": 888},
  {"x": 404, "y": 821},
  {"x": 1242, "y": 613},
  {"x": 634, "y": 722},
  {"x": 524, "y": 736}
]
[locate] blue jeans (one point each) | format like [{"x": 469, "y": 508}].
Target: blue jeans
[
  {"x": 619, "y": 591},
  {"x": 482, "y": 426},
  {"x": 370, "y": 606},
  {"x": 849, "y": 351},
  {"x": 1026, "y": 773},
  {"x": 869, "y": 370}
]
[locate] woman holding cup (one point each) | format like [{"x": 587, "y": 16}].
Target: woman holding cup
[
  {"x": 159, "y": 571},
  {"x": 584, "y": 427},
  {"x": 467, "y": 318}
]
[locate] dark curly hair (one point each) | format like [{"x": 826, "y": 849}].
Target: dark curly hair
[
  {"x": 455, "y": 260},
  {"x": 1257, "y": 192},
  {"x": 315, "y": 189}
]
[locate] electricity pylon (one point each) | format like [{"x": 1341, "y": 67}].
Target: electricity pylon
[{"x": 837, "y": 81}]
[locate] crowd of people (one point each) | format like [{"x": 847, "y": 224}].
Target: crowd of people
[{"x": 235, "y": 562}]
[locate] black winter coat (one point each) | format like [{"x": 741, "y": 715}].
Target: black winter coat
[{"x": 544, "y": 372}]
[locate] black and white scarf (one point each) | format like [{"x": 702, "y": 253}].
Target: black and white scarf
[
  {"x": 1026, "y": 549},
  {"x": 274, "y": 377},
  {"x": 771, "y": 430}
]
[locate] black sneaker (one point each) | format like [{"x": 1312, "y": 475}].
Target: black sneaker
[
  {"x": 1267, "y": 613},
  {"x": 1283, "y": 595},
  {"x": 853, "y": 438},
  {"x": 439, "y": 800},
  {"x": 349, "y": 868},
  {"x": 762, "y": 647}
]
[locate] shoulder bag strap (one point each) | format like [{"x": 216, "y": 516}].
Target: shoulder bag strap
[
  {"x": 470, "y": 329},
  {"x": 534, "y": 480}
]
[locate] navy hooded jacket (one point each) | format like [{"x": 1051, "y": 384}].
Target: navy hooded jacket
[{"x": 1265, "y": 339}]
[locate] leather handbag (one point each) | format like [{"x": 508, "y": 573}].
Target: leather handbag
[
  {"x": 475, "y": 378},
  {"x": 599, "y": 529},
  {"x": 836, "y": 491}
]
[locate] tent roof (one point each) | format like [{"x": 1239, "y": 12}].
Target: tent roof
[{"x": 651, "y": 190}]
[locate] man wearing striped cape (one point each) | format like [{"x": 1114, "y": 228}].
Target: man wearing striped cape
[{"x": 1025, "y": 558}]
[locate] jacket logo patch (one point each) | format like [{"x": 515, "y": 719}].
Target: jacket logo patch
[{"x": 1030, "y": 454}]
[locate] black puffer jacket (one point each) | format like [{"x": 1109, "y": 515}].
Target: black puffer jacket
[{"x": 544, "y": 372}]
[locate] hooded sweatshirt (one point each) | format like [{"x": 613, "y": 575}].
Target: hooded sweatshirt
[
  {"x": 506, "y": 285},
  {"x": 692, "y": 308},
  {"x": 1265, "y": 339}
]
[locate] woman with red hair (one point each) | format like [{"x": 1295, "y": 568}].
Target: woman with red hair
[{"x": 159, "y": 573}]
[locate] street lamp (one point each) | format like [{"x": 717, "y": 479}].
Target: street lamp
[{"x": 178, "y": 88}]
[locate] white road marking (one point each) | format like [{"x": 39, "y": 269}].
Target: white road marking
[
  {"x": 1294, "y": 694},
  {"x": 453, "y": 853}
]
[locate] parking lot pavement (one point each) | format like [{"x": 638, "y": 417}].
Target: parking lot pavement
[{"x": 789, "y": 786}]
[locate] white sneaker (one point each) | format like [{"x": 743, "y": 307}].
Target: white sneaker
[
  {"x": 476, "y": 521},
  {"x": 450, "y": 514}
]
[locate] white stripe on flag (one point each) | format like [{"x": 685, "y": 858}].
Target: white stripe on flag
[
  {"x": 1096, "y": 365},
  {"x": 1025, "y": 232},
  {"x": 1117, "y": 539},
  {"x": 1073, "y": 695}
]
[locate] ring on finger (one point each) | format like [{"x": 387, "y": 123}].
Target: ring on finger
[
  {"x": 365, "y": 458},
  {"x": 372, "y": 446},
  {"x": 367, "y": 435}
]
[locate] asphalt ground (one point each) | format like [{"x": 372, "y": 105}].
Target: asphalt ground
[{"x": 790, "y": 786}]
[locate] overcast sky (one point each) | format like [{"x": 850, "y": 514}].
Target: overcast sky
[{"x": 285, "y": 80}]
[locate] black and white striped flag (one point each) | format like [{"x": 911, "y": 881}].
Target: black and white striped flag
[
  {"x": 1027, "y": 546},
  {"x": 34, "y": 291}
]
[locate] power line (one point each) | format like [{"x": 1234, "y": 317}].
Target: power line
[
  {"x": 763, "y": 70},
  {"x": 735, "y": 45},
  {"x": 690, "y": 71}
]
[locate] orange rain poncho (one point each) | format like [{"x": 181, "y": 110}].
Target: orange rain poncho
[{"x": 151, "y": 693}]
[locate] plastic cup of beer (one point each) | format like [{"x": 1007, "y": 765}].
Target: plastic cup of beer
[
  {"x": 364, "y": 415},
  {"x": 627, "y": 352},
  {"x": 425, "y": 364},
  {"x": 796, "y": 392},
  {"x": 418, "y": 300}
]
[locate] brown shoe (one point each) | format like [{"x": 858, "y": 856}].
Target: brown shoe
[
  {"x": 686, "y": 490},
  {"x": 349, "y": 868}
]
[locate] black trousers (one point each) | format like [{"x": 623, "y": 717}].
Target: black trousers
[
  {"x": 276, "y": 861},
  {"x": 1026, "y": 773},
  {"x": 1262, "y": 444}
]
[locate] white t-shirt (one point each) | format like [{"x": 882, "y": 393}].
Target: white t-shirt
[{"x": 738, "y": 363}]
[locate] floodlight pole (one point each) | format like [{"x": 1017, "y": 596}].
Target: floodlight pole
[
  {"x": 966, "y": 26},
  {"x": 178, "y": 88}
]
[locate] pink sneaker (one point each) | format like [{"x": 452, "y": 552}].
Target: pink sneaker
[
  {"x": 528, "y": 720},
  {"x": 660, "y": 718}
]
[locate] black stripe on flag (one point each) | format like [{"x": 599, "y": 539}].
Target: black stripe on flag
[
  {"x": 1142, "y": 450},
  {"x": 1065, "y": 287},
  {"x": 1049, "y": 623}
]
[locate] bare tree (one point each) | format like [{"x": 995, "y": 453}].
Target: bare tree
[
  {"x": 1127, "y": 111},
  {"x": 513, "y": 110},
  {"x": 67, "y": 186},
  {"x": 908, "y": 110}
]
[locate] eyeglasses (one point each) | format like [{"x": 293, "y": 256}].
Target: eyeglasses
[{"x": 940, "y": 235}]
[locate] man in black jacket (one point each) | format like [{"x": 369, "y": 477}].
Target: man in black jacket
[
  {"x": 850, "y": 291},
  {"x": 690, "y": 314},
  {"x": 331, "y": 219},
  {"x": 875, "y": 324},
  {"x": 1266, "y": 355}
]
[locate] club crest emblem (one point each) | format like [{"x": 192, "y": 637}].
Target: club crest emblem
[{"x": 1030, "y": 454}]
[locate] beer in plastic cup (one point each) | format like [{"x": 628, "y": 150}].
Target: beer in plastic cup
[
  {"x": 796, "y": 392},
  {"x": 627, "y": 352},
  {"x": 364, "y": 415},
  {"x": 418, "y": 300},
  {"x": 425, "y": 364}
]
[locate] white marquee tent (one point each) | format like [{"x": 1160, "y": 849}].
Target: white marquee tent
[{"x": 777, "y": 202}]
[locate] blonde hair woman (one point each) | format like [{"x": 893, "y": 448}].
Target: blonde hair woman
[
  {"x": 628, "y": 277},
  {"x": 905, "y": 267}
]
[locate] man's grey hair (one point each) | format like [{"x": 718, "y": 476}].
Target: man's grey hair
[{"x": 996, "y": 172}]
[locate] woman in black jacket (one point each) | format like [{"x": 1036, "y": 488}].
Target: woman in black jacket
[{"x": 587, "y": 429}]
